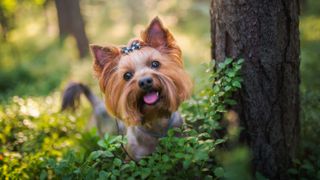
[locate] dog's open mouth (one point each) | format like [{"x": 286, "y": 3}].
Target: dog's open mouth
[{"x": 151, "y": 98}]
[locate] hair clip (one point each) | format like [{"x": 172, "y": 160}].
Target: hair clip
[{"x": 134, "y": 46}]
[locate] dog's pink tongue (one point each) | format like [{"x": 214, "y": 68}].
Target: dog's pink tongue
[{"x": 151, "y": 97}]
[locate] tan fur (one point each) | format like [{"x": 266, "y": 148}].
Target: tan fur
[{"x": 123, "y": 98}]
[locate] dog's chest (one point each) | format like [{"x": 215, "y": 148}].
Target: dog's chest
[{"x": 140, "y": 144}]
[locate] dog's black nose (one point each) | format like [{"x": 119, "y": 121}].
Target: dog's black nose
[{"x": 145, "y": 83}]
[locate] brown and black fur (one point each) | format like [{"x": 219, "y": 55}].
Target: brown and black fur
[{"x": 124, "y": 98}]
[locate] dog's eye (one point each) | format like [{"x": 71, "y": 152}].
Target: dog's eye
[
  {"x": 127, "y": 76},
  {"x": 155, "y": 64}
]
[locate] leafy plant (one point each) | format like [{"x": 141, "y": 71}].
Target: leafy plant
[
  {"x": 190, "y": 156},
  {"x": 38, "y": 141},
  {"x": 32, "y": 131},
  {"x": 307, "y": 163}
]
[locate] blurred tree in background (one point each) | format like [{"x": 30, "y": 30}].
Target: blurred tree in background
[
  {"x": 6, "y": 16},
  {"x": 71, "y": 22},
  {"x": 8, "y": 9}
]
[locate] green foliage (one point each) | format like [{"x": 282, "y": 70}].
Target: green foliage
[
  {"x": 36, "y": 140},
  {"x": 32, "y": 61},
  {"x": 209, "y": 108},
  {"x": 31, "y": 72},
  {"x": 33, "y": 130},
  {"x": 192, "y": 156},
  {"x": 307, "y": 164},
  {"x": 8, "y": 11}
]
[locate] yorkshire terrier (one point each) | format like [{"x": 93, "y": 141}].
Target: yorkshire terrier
[{"x": 143, "y": 84}]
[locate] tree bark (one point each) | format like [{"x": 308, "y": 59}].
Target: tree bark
[
  {"x": 71, "y": 22},
  {"x": 265, "y": 34}
]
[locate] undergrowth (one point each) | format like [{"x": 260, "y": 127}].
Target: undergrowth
[
  {"x": 33, "y": 130},
  {"x": 190, "y": 157},
  {"x": 37, "y": 141}
]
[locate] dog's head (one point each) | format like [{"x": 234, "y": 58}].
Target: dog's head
[{"x": 147, "y": 80}]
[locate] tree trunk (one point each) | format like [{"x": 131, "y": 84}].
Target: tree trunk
[
  {"x": 265, "y": 34},
  {"x": 71, "y": 22}
]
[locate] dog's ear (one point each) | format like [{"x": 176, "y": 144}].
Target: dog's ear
[
  {"x": 103, "y": 55},
  {"x": 156, "y": 35}
]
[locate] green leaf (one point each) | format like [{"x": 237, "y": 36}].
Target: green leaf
[
  {"x": 228, "y": 61},
  {"x": 115, "y": 139},
  {"x": 240, "y": 61},
  {"x": 179, "y": 155},
  {"x": 201, "y": 155},
  {"x": 77, "y": 171},
  {"x": 219, "y": 172},
  {"x": 171, "y": 133},
  {"x": 227, "y": 88},
  {"x": 221, "y": 108},
  {"x": 216, "y": 89},
  {"x": 101, "y": 143},
  {"x": 221, "y": 65},
  {"x": 231, "y": 74},
  {"x": 107, "y": 154},
  {"x": 103, "y": 175},
  {"x": 145, "y": 173},
  {"x": 219, "y": 141},
  {"x": 117, "y": 162},
  {"x": 95, "y": 154},
  {"x": 113, "y": 177},
  {"x": 186, "y": 164},
  {"x": 125, "y": 166},
  {"x": 165, "y": 158},
  {"x": 236, "y": 84},
  {"x": 106, "y": 136},
  {"x": 115, "y": 172},
  {"x": 142, "y": 162},
  {"x": 43, "y": 175}
]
